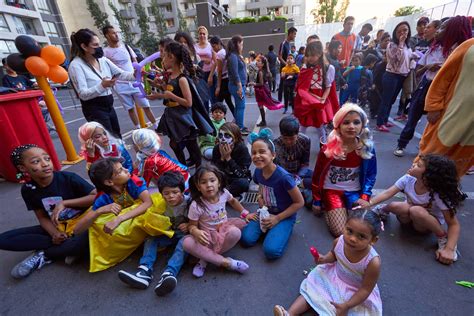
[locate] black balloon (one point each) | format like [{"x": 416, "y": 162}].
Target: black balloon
[
  {"x": 16, "y": 62},
  {"x": 27, "y": 46}
]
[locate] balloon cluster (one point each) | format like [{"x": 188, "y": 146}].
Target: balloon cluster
[
  {"x": 38, "y": 61},
  {"x": 138, "y": 72}
]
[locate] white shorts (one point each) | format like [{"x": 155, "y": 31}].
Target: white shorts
[{"x": 129, "y": 95}]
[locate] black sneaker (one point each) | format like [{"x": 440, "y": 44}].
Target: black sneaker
[
  {"x": 140, "y": 279},
  {"x": 166, "y": 284}
]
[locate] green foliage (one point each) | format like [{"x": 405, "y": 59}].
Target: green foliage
[
  {"x": 124, "y": 27},
  {"x": 264, "y": 18},
  {"x": 182, "y": 24},
  {"x": 248, "y": 19},
  {"x": 148, "y": 43},
  {"x": 235, "y": 21},
  {"x": 159, "y": 19},
  {"x": 282, "y": 18},
  {"x": 408, "y": 10},
  {"x": 330, "y": 11},
  {"x": 101, "y": 19}
]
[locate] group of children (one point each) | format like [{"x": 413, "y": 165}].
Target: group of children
[{"x": 190, "y": 215}]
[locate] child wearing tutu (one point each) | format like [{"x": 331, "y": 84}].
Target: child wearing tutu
[
  {"x": 97, "y": 142},
  {"x": 263, "y": 96},
  {"x": 432, "y": 196},
  {"x": 153, "y": 162},
  {"x": 345, "y": 280},
  {"x": 316, "y": 100},
  {"x": 345, "y": 169},
  {"x": 211, "y": 231}
]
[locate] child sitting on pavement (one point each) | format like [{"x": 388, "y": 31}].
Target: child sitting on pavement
[
  {"x": 207, "y": 142},
  {"x": 292, "y": 153},
  {"x": 171, "y": 186}
]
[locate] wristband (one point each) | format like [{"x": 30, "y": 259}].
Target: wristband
[
  {"x": 244, "y": 213},
  {"x": 365, "y": 197}
]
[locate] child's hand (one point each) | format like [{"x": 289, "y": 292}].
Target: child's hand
[
  {"x": 323, "y": 259},
  {"x": 270, "y": 221},
  {"x": 201, "y": 236},
  {"x": 110, "y": 208},
  {"x": 90, "y": 147},
  {"x": 59, "y": 237},
  {"x": 109, "y": 227},
  {"x": 363, "y": 203},
  {"x": 251, "y": 217},
  {"x": 183, "y": 227},
  {"x": 57, "y": 210},
  {"x": 155, "y": 96},
  {"x": 341, "y": 309},
  {"x": 445, "y": 256}
]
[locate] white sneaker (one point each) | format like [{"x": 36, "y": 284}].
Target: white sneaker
[
  {"x": 399, "y": 152},
  {"x": 442, "y": 241},
  {"x": 33, "y": 262}
]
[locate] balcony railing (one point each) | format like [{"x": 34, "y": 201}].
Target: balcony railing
[{"x": 126, "y": 14}]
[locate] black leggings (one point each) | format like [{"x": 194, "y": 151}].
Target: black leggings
[
  {"x": 192, "y": 147},
  {"x": 36, "y": 238},
  {"x": 101, "y": 110},
  {"x": 224, "y": 94}
]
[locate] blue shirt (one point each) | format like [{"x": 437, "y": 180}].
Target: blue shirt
[
  {"x": 236, "y": 70},
  {"x": 274, "y": 190},
  {"x": 135, "y": 187},
  {"x": 353, "y": 79}
]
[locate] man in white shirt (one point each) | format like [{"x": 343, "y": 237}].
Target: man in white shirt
[{"x": 123, "y": 55}]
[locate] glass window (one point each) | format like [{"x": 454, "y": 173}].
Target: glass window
[
  {"x": 51, "y": 29},
  {"x": 29, "y": 27},
  {"x": 7, "y": 47},
  {"x": 296, "y": 9},
  {"x": 285, "y": 10},
  {"x": 12, "y": 47},
  {"x": 170, "y": 22},
  {"x": 3, "y": 24},
  {"x": 4, "y": 47},
  {"x": 148, "y": 9},
  {"x": 42, "y": 6},
  {"x": 255, "y": 12}
]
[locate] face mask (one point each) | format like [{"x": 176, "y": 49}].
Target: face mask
[
  {"x": 225, "y": 138},
  {"x": 99, "y": 53}
]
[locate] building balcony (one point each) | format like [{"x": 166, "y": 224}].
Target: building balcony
[
  {"x": 135, "y": 30},
  {"x": 128, "y": 15},
  {"x": 254, "y": 5},
  {"x": 190, "y": 13}
]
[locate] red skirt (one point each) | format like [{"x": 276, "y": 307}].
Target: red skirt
[
  {"x": 264, "y": 97},
  {"x": 310, "y": 112}
]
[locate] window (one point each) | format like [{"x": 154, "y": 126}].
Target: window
[
  {"x": 166, "y": 7},
  {"x": 255, "y": 12},
  {"x": 170, "y": 23},
  {"x": 51, "y": 29},
  {"x": 25, "y": 26},
  {"x": 296, "y": 9},
  {"x": 148, "y": 10},
  {"x": 3, "y": 24},
  {"x": 285, "y": 10},
  {"x": 7, "y": 47},
  {"x": 42, "y": 6}
]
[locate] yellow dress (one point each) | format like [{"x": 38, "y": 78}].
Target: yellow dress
[{"x": 108, "y": 250}]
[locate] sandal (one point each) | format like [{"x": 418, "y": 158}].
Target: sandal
[{"x": 279, "y": 310}]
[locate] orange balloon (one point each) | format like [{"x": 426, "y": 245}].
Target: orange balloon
[
  {"x": 53, "y": 55},
  {"x": 36, "y": 66},
  {"x": 58, "y": 74}
]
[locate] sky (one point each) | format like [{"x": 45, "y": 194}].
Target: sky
[{"x": 366, "y": 9}]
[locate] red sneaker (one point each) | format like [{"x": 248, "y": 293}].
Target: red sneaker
[
  {"x": 388, "y": 124},
  {"x": 383, "y": 128}
]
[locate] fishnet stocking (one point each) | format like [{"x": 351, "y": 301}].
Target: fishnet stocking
[{"x": 336, "y": 220}]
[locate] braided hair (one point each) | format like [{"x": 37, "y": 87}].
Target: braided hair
[
  {"x": 16, "y": 157},
  {"x": 181, "y": 53},
  {"x": 369, "y": 217},
  {"x": 441, "y": 177}
]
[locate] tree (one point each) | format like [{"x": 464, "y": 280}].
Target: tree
[
  {"x": 329, "y": 11},
  {"x": 147, "y": 42},
  {"x": 159, "y": 19},
  {"x": 101, "y": 19},
  {"x": 408, "y": 10},
  {"x": 124, "y": 27},
  {"x": 182, "y": 24}
]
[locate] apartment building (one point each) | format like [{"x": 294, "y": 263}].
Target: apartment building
[
  {"x": 297, "y": 10},
  {"x": 39, "y": 19}
]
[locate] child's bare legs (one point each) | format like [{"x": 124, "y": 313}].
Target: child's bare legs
[
  {"x": 401, "y": 210},
  {"x": 298, "y": 307},
  {"x": 336, "y": 220},
  {"x": 422, "y": 220}
]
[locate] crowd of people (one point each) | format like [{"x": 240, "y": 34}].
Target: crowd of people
[{"x": 333, "y": 88}]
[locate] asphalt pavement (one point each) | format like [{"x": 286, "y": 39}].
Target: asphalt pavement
[{"x": 412, "y": 282}]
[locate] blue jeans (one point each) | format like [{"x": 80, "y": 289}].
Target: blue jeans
[
  {"x": 239, "y": 103},
  {"x": 212, "y": 89},
  {"x": 350, "y": 94},
  {"x": 276, "y": 239},
  {"x": 306, "y": 176},
  {"x": 392, "y": 84},
  {"x": 150, "y": 249}
]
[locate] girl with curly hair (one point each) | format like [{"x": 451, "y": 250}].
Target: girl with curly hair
[
  {"x": 346, "y": 168},
  {"x": 184, "y": 117},
  {"x": 432, "y": 196}
]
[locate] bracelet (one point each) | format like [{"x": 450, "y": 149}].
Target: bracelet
[{"x": 244, "y": 213}]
